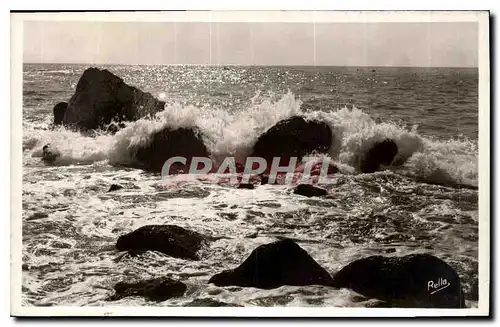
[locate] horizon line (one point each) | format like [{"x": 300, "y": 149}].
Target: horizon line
[{"x": 245, "y": 65}]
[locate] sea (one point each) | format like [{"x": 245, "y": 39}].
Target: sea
[{"x": 426, "y": 203}]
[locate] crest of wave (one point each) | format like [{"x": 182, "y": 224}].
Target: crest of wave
[
  {"x": 449, "y": 162},
  {"x": 424, "y": 158},
  {"x": 209, "y": 122},
  {"x": 357, "y": 132},
  {"x": 223, "y": 133}
]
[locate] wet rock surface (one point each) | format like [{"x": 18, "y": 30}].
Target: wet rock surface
[
  {"x": 415, "y": 280},
  {"x": 171, "y": 240},
  {"x": 158, "y": 289},
  {"x": 59, "y": 111},
  {"x": 169, "y": 143},
  {"x": 293, "y": 137},
  {"x": 381, "y": 153},
  {"x": 208, "y": 302},
  {"x": 246, "y": 186},
  {"x": 273, "y": 265},
  {"x": 309, "y": 190},
  {"x": 102, "y": 97},
  {"x": 115, "y": 187}
]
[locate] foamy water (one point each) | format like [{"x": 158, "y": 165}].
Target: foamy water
[{"x": 71, "y": 223}]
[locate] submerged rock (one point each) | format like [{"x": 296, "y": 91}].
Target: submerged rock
[
  {"x": 293, "y": 137},
  {"x": 50, "y": 153},
  {"x": 102, "y": 97},
  {"x": 38, "y": 215},
  {"x": 208, "y": 302},
  {"x": 169, "y": 143},
  {"x": 115, "y": 187},
  {"x": 381, "y": 153},
  {"x": 171, "y": 240},
  {"x": 158, "y": 289},
  {"x": 59, "y": 111},
  {"x": 274, "y": 265},
  {"x": 415, "y": 280},
  {"x": 309, "y": 190},
  {"x": 246, "y": 186},
  {"x": 123, "y": 185}
]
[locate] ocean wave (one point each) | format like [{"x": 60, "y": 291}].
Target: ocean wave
[{"x": 226, "y": 134}]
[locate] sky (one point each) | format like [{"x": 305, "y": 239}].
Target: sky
[{"x": 450, "y": 44}]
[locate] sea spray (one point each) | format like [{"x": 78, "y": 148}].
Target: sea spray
[{"x": 234, "y": 134}]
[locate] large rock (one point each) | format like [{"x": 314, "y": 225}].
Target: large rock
[
  {"x": 274, "y": 265},
  {"x": 416, "y": 280},
  {"x": 168, "y": 143},
  {"x": 59, "y": 112},
  {"x": 101, "y": 97},
  {"x": 172, "y": 240},
  {"x": 293, "y": 137},
  {"x": 158, "y": 289},
  {"x": 381, "y": 153}
]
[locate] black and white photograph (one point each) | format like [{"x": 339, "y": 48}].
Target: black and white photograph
[{"x": 221, "y": 163}]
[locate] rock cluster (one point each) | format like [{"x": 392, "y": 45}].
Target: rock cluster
[{"x": 415, "y": 280}]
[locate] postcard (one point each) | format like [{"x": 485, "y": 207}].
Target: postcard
[{"x": 263, "y": 163}]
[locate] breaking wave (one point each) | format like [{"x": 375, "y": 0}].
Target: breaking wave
[{"x": 452, "y": 162}]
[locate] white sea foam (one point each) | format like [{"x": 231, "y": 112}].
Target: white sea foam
[{"x": 234, "y": 134}]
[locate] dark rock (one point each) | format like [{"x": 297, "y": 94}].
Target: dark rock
[
  {"x": 168, "y": 143},
  {"x": 172, "y": 240},
  {"x": 59, "y": 111},
  {"x": 115, "y": 187},
  {"x": 50, "y": 153},
  {"x": 102, "y": 97},
  {"x": 309, "y": 190},
  {"x": 246, "y": 186},
  {"x": 381, "y": 153},
  {"x": 252, "y": 235},
  {"x": 415, "y": 280},
  {"x": 38, "y": 215},
  {"x": 208, "y": 302},
  {"x": 274, "y": 265},
  {"x": 158, "y": 289},
  {"x": 293, "y": 137}
]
